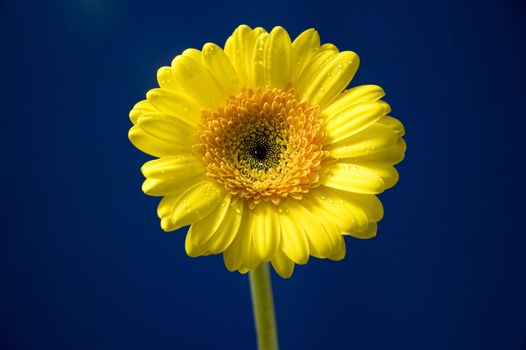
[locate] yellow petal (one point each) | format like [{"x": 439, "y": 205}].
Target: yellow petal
[
  {"x": 233, "y": 255},
  {"x": 177, "y": 104},
  {"x": 251, "y": 259},
  {"x": 258, "y": 66},
  {"x": 266, "y": 229},
  {"x": 151, "y": 145},
  {"x": 380, "y": 142},
  {"x": 173, "y": 167},
  {"x": 396, "y": 152},
  {"x": 368, "y": 232},
  {"x": 310, "y": 72},
  {"x": 330, "y": 47},
  {"x": 169, "y": 129},
  {"x": 166, "y": 79},
  {"x": 215, "y": 59},
  {"x": 157, "y": 187},
  {"x": 283, "y": 265},
  {"x": 241, "y": 253},
  {"x": 390, "y": 155},
  {"x": 339, "y": 253},
  {"x": 278, "y": 58},
  {"x": 304, "y": 48},
  {"x": 200, "y": 232},
  {"x": 355, "y": 119},
  {"x": 240, "y": 49},
  {"x": 368, "y": 203},
  {"x": 366, "y": 178},
  {"x": 331, "y": 78},
  {"x": 392, "y": 123},
  {"x": 165, "y": 208},
  {"x": 195, "y": 203},
  {"x": 362, "y": 93},
  {"x": 192, "y": 53},
  {"x": 387, "y": 173},
  {"x": 349, "y": 211},
  {"x": 243, "y": 270},
  {"x": 198, "y": 82},
  {"x": 294, "y": 242},
  {"x": 228, "y": 230},
  {"x": 141, "y": 108},
  {"x": 322, "y": 242},
  {"x": 169, "y": 174}
]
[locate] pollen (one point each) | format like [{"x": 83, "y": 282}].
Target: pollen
[{"x": 263, "y": 145}]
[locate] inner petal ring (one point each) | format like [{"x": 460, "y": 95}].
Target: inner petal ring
[{"x": 264, "y": 144}]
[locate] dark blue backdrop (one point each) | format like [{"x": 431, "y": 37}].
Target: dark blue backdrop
[{"x": 84, "y": 264}]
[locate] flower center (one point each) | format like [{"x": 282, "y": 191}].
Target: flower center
[
  {"x": 263, "y": 145},
  {"x": 259, "y": 151}
]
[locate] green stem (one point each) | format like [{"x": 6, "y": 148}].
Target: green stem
[{"x": 263, "y": 306}]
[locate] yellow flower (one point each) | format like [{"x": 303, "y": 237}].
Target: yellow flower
[{"x": 262, "y": 151}]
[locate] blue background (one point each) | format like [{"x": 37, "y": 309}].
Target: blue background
[{"x": 84, "y": 264}]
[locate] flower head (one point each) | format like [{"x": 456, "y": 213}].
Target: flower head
[{"x": 263, "y": 152}]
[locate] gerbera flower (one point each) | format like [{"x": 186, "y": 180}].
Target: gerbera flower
[{"x": 263, "y": 152}]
